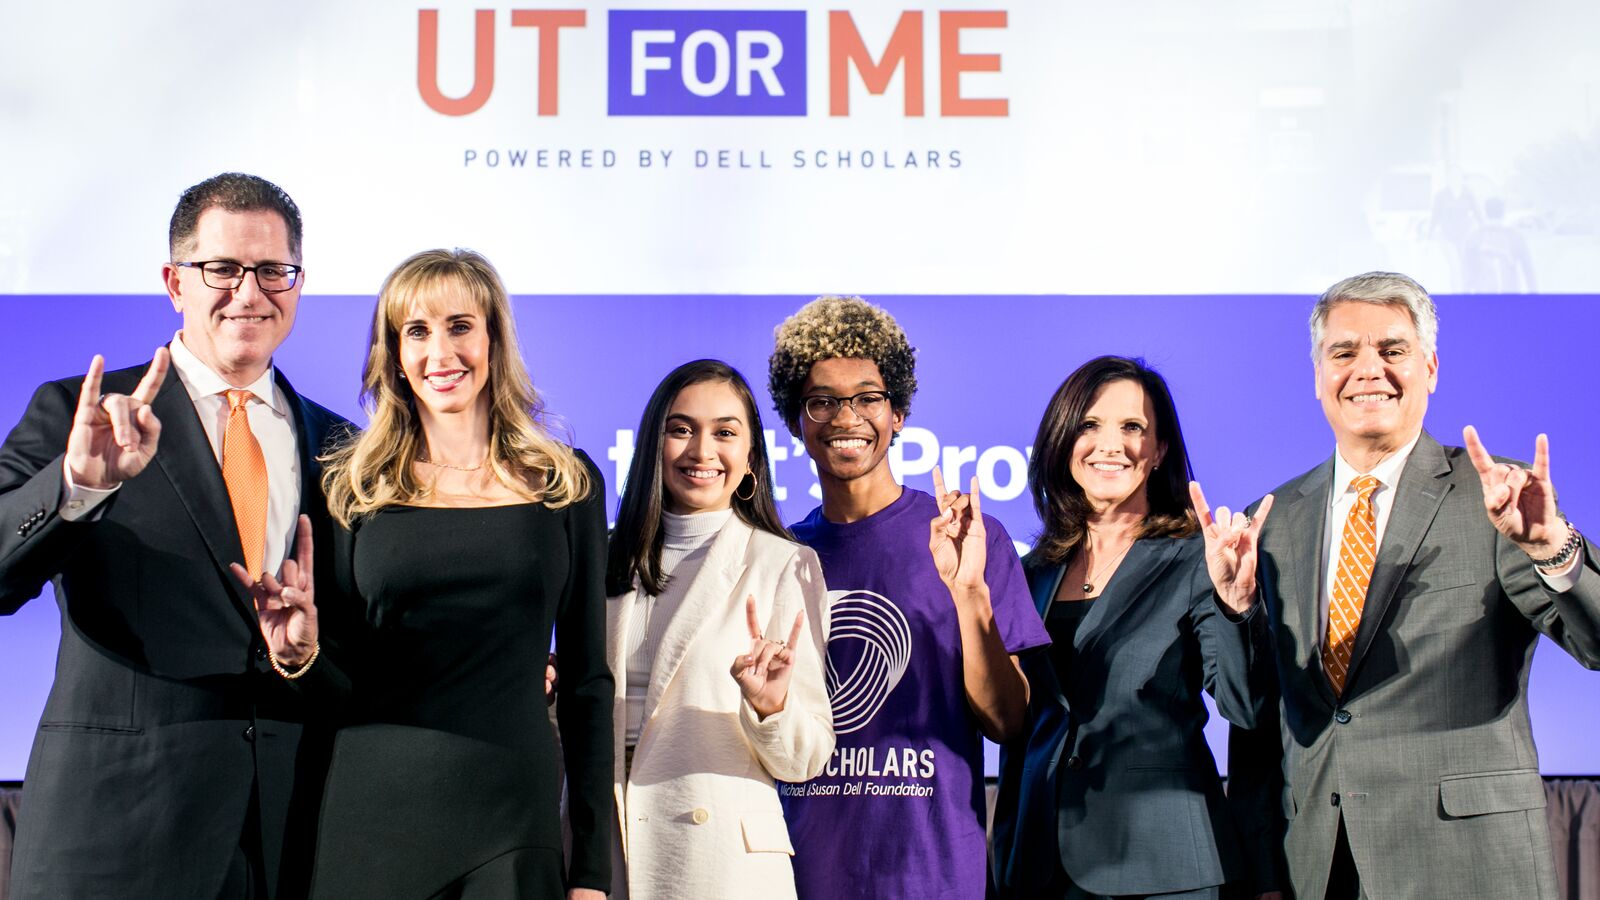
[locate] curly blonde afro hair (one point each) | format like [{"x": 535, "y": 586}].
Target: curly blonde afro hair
[{"x": 833, "y": 327}]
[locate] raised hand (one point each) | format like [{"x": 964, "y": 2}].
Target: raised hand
[
  {"x": 114, "y": 436},
  {"x": 286, "y": 605},
  {"x": 763, "y": 673},
  {"x": 1232, "y": 542},
  {"x": 1521, "y": 503},
  {"x": 956, "y": 536}
]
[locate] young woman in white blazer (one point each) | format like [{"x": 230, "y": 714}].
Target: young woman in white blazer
[{"x": 714, "y": 633}]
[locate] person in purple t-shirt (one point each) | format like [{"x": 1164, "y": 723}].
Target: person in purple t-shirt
[{"x": 928, "y": 610}]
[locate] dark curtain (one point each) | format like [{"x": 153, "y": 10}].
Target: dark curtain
[
  {"x": 10, "y": 799},
  {"x": 1574, "y": 813}
]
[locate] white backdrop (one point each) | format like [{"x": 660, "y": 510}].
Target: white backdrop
[{"x": 1161, "y": 146}]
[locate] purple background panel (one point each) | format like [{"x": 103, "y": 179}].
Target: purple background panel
[
  {"x": 665, "y": 91},
  {"x": 1239, "y": 367}
]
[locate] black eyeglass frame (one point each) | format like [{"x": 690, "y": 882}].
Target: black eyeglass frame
[
  {"x": 293, "y": 272},
  {"x": 839, "y": 404}
]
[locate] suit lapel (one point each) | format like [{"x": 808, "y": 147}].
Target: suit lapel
[
  {"x": 1145, "y": 562},
  {"x": 308, "y": 438},
  {"x": 1302, "y": 518},
  {"x": 1045, "y": 588},
  {"x": 708, "y": 592},
  {"x": 1416, "y": 502},
  {"x": 186, "y": 458}
]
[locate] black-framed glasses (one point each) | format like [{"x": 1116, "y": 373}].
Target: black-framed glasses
[
  {"x": 822, "y": 408},
  {"x": 226, "y": 275}
]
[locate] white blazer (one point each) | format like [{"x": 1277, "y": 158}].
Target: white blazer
[{"x": 700, "y": 817}]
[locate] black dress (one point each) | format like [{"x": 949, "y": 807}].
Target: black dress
[{"x": 446, "y": 782}]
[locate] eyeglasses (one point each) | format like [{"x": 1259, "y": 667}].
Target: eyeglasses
[
  {"x": 224, "y": 275},
  {"x": 822, "y": 408}
]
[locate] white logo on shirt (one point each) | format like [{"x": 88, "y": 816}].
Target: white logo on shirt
[{"x": 877, "y": 623}]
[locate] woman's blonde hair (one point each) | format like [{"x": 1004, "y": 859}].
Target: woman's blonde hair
[{"x": 374, "y": 468}]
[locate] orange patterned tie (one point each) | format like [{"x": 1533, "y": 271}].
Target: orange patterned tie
[
  {"x": 244, "y": 470},
  {"x": 1357, "y": 552}
]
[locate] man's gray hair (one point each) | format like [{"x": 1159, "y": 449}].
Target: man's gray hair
[{"x": 1385, "y": 289}]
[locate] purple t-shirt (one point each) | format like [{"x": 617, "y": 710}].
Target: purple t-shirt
[{"x": 899, "y": 810}]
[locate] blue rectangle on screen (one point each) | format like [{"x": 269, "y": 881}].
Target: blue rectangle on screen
[{"x": 706, "y": 63}]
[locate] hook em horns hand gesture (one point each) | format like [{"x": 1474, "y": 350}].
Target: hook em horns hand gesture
[
  {"x": 956, "y": 537},
  {"x": 114, "y": 436},
  {"x": 286, "y": 605},
  {"x": 1232, "y": 543},
  {"x": 763, "y": 673},
  {"x": 1521, "y": 503}
]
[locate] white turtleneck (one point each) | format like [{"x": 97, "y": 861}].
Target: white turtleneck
[{"x": 685, "y": 542}]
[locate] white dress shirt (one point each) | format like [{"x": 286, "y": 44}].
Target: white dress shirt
[
  {"x": 1344, "y": 497},
  {"x": 274, "y": 429}
]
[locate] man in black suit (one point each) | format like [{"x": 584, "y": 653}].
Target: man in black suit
[{"x": 181, "y": 754}]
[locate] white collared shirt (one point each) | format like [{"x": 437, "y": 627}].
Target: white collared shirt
[
  {"x": 274, "y": 428},
  {"x": 1344, "y": 497}
]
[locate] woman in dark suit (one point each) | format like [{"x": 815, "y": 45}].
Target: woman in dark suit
[{"x": 1148, "y": 601}]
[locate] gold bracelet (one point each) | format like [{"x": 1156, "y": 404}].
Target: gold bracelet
[{"x": 316, "y": 648}]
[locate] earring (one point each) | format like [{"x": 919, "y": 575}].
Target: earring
[
  {"x": 401, "y": 372},
  {"x": 750, "y": 496}
]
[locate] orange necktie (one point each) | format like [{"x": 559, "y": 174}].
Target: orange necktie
[
  {"x": 244, "y": 470},
  {"x": 1357, "y": 552}
]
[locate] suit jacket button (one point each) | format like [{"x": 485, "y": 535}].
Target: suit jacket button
[
  {"x": 1334, "y": 798},
  {"x": 249, "y": 733},
  {"x": 700, "y": 816},
  {"x": 1342, "y": 717},
  {"x": 1074, "y": 762}
]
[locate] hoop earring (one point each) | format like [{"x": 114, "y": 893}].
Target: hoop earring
[{"x": 750, "y": 496}]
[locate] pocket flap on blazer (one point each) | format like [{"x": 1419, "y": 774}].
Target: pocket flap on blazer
[
  {"x": 1491, "y": 792},
  {"x": 765, "y": 832}
]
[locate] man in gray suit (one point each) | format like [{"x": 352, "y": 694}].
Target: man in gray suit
[{"x": 1407, "y": 584}]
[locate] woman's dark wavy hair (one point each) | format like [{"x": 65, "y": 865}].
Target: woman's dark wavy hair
[
  {"x": 635, "y": 548},
  {"x": 1057, "y": 496}
]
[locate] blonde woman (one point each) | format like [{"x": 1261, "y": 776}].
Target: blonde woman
[{"x": 468, "y": 534}]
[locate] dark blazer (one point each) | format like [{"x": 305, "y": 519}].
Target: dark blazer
[
  {"x": 165, "y": 711},
  {"x": 1115, "y": 779},
  {"x": 1428, "y": 757}
]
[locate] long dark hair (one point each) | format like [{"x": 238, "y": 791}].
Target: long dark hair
[
  {"x": 635, "y": 549},
  {"x": 1057, "y": 496}
]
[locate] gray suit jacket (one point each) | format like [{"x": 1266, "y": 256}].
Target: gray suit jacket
[{"x": 1429, "y": 755}]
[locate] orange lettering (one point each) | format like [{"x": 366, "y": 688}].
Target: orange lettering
[
  {"x": 428, "y": 64},
  {"x": 845, "y": 48},
  {"x": 549, "y": 23},
  {"x": 952, "y": 62}
]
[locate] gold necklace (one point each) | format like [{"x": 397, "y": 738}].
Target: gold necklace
[
  {"x": 424, "y": 459},
  {"x": 1088, "y": 586}
]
